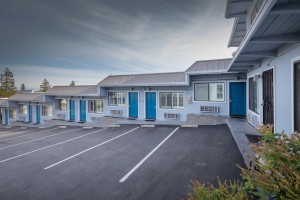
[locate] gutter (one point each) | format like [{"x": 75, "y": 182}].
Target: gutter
[
  {"x": 263, "y": 13},
  {"x": 147, "y": 85},
  {"x": 227, "y": 8},
  {"x": 236, "y": 20}
]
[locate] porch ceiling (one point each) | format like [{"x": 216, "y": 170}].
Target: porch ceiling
[
  {"x": 279, "y": 27},
  {"x": 238, "y": 9}
]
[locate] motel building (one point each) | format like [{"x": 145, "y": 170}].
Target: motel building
[{"x": 260, "y": 83}]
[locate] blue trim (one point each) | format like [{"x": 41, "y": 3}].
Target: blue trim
[
  {"x": 72, "y": 110},
  {"x": 150, "y": 105},
  {"x": 82, "y": 110},
  {"x": 237, "y": 97},
  {"x": 38, "y": 114},
  {"x": 29, "y": 113},
  {"x": 6, "y": 116},
  {"x": 133, "y": 104}
]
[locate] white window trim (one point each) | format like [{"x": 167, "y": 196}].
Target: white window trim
[
  {"x": 118, "y": 105},
  {"x": 46, "y": 105},
  {"x": 224, "y": 90},
  {"x": 67, "y": 106},
  {"x": 293, "y": 61},
  {"x": 259, "y": 85},
  {"x": 94, "y": 100},
  {"x": 172, "y": 108},
  {"x": 27, "y": 110}
]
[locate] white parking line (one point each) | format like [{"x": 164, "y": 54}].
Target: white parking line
[
  {"x": 90, "y": 148},
  {"x": 38, "y": 139},
  {"x": 46, "y": 147},
  {"x": 27, "y": 134},
  {"x": 144, "y": 159}
]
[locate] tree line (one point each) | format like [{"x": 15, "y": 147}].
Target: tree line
[{"x": 8, "y": 88}]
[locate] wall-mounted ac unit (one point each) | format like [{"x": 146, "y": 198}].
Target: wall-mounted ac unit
[
  {"x": 96, "y": 119},
  {"x": 61, "y": 116},
  {"x": 22, "y": 118},
  {"x": 209, "y": 109},
  {"x": 116, "y": 113},
  {"x": 172, "y": 116}
]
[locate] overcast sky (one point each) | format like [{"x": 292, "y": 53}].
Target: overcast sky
[{"x": 86, "y": 40}]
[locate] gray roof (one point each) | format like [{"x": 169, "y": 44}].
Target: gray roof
[
  {"x": 209, "y": 66},
  {"x": 3, "y": 103},
  {"x": 26, "y": 97},
  {"x": 157, "y": 79},
  {"x": 80, "y": 90}
]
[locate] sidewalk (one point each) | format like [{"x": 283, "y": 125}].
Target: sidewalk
[{"x": 239, "y": 128}]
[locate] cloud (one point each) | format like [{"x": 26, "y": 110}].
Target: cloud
[{"x": 87, "y": 40}]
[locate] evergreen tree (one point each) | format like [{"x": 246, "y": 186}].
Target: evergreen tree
[
  {"x": 45, "y": 86},
  {"x": 23, "y": 87},
  {"x": 72, "y": 83},
  {"x": 7, "y": 84}
]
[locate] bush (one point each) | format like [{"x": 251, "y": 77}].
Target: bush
[
  {"x": 232, "y": 190},
  {"x": 277, "y": 163},
  {"x": 276, "y": 173}
]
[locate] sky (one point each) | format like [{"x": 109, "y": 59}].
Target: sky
[{"x": 86, "y": 40}]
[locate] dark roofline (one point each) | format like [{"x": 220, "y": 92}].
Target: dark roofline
[
  {"x": 73, "y": 86},
  {"x": 212, "y": 60},
  {"x": 145, "y": 74}
]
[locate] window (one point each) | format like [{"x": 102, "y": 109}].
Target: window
[
  {"x": 22, "y": 109},
  {"x": 96, "y": 106},
  {"x": 171, "y": 100},
  {"x": 116, "y": 99},
  {"x": 61, "y": 104},
  {"x": 209, "y": 92},
  {"x": 47, "y": 110},
  {"x": 12, "y": 114},
  {"x": 253, "y": 95}
]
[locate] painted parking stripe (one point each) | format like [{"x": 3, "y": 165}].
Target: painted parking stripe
[
  {"x": 144, "y": 159},
  {"x": 38, "y": 139},
  {"x": 46, "y": 147},
  {"x": 27, "y": 134},
  {"x": 64, "y": 160}
]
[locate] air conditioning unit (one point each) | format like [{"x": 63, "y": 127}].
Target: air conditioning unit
[
  {"x": 116, "y": 113},
  {"x": 209, "y": 109},
  {"x": 96, "y": 119},
  {"x": 22, "y": 118},
  {"x": 61, "y": 116},
  {"x": 171, "y": 116}
]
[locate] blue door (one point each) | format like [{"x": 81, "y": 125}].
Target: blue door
[
  {"x": 82, "y": 110},
  {"x": 150, "y": 105},
  {"x": 38, "y": 114},
  {"x": 6, "y": 116},
  {"x": 29, "y": 113},
  {"x": 237, "y": 93},
  {"x": 72, "y": 110},
  {"x": 133, "y": 104}
]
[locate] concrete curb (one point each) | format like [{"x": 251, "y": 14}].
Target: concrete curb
[
  {"x": 147, "y": 126},
  {"x": 189, "y": 126},
  {"x": 62, "y": 126},
  {"x": 87, "y": 127},
  {"x": 113, "y": 126}
]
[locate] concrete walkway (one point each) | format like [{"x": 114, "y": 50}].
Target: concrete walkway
[{"x": 239, "y": 128}]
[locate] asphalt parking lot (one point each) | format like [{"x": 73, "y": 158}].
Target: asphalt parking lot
[{"x": 129, "y": 162}]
